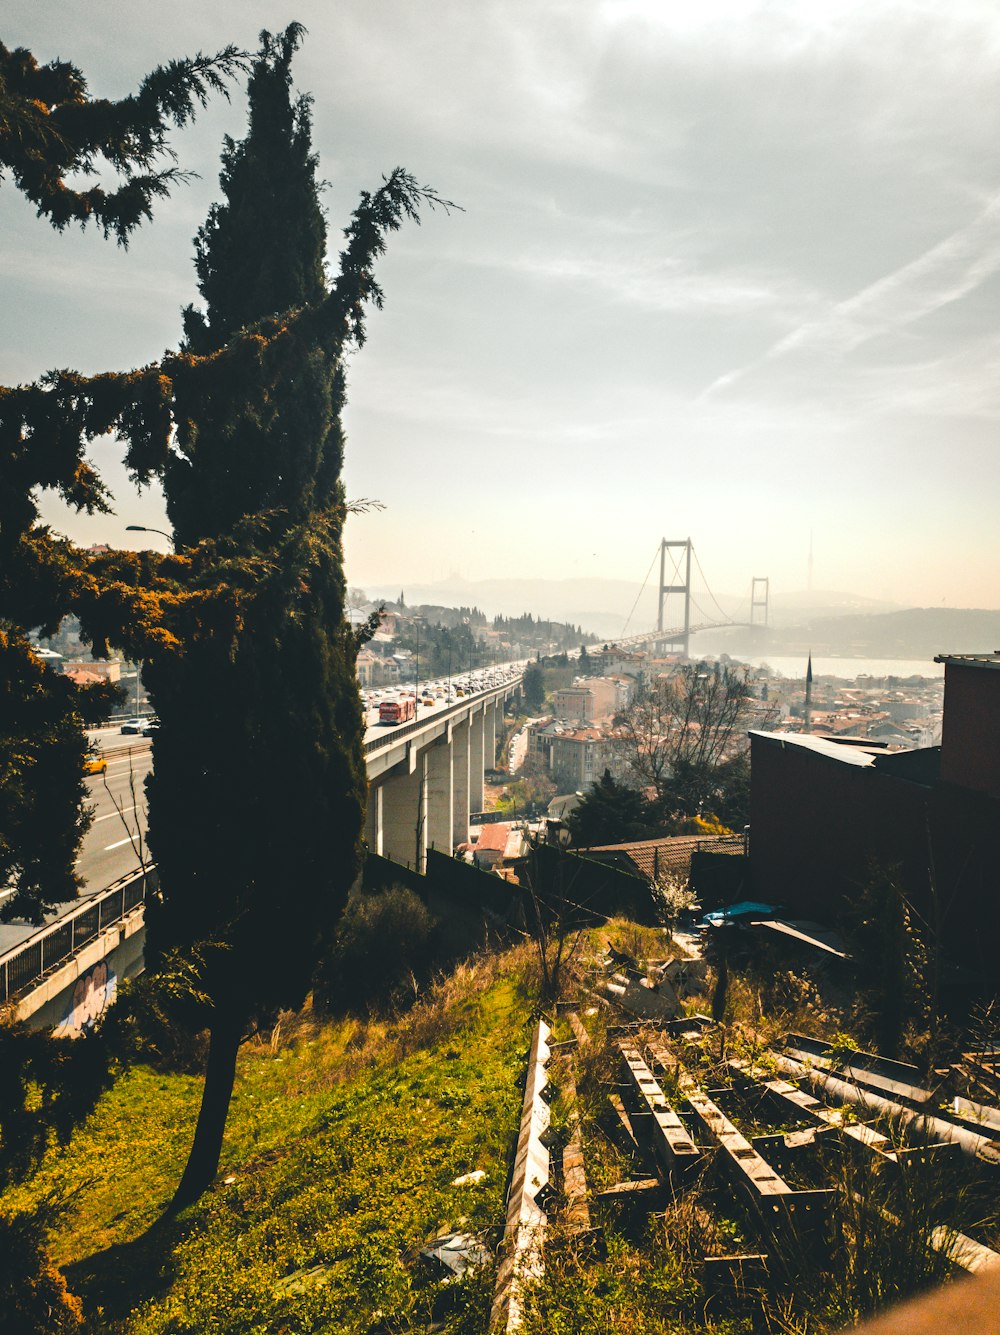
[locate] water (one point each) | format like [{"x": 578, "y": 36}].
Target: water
[{"x": 848, "y": 668}]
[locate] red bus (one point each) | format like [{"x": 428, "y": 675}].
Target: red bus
[{"x": 397, "y": 711}]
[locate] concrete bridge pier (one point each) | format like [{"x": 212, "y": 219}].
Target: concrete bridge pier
[
  {"x": 440, "y": 797},
  {"x": 373, "y": 821},
  {"x": 404, "y": 813},
  {"x": 460, "y": 750},
  {"x": 490, "y": 733},
  {"x": 477, "y": 734}
]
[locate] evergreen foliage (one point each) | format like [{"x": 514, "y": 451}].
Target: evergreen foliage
[
  {"x": 248, "y": 439},
  {"x": 610, "y": 813},
  {"x": 51, "y": 128},
  {"x": 33, "y": 1296},
  {"x": 258, "y": 869},
  {"x": 42, "y": 789},
  {"x": 533, "y": 687},
  {"x": 272, "y": 201},
  {"x": 384, "y": 946}
]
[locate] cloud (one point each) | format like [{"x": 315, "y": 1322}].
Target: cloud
[
  {"x": 670, "y": 284},
  {"x": 943, "y": 274}
]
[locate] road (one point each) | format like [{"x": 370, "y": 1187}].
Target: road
[
  {"x": 111, "y": 847},
  {"x": 114, "y": 843}
]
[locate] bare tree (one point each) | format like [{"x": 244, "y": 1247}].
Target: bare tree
[{"x": 680, "y": 729}]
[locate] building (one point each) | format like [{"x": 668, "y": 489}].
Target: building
[
  {"x": 374, "y": 670},
  {"x": 612, "y": 661},
  {"x": 579, "y": 757},
  {"x": 100, "y": 669},
  {"x": 824, "y": 813},
  {"x": 593, "y": 699}
]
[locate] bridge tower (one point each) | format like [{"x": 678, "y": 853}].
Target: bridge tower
[
  {"x": 759, "y": 587},
  {"x": 684, "y": 588}
]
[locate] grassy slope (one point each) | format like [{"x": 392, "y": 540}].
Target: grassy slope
[{"x": 343, "y": 1141}]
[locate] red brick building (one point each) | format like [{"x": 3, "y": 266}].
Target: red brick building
[{"x": 823, "y": 811}]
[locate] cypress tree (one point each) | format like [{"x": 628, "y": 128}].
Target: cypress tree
[
  {"x": 248, "y": 655},
  {"x": 52, "y": 129},
  {"x": 258, "y": 793}
]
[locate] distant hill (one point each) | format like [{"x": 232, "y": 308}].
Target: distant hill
[
  {"x": 604, "y": 605},
  {"x": 916, "y": 632}
]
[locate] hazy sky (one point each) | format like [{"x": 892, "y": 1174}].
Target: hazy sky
[{"x": 728, "y": 270}]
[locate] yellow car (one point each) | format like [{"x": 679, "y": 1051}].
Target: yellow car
[{"x": 94, "y": 763}]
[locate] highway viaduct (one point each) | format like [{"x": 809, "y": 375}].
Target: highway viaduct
[{"x": 425, "y": 781}]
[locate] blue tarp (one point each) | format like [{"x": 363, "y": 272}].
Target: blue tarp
[{"x": 746, "y": 911}]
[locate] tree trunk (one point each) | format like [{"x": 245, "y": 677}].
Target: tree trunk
[{"x": 203, "y": 1161}]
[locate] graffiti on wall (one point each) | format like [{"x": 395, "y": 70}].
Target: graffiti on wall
[{"x": 93, "y": 992}]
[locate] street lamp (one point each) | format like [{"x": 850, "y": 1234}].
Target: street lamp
[
  {"x": 416, "y": 675},
  {"x": 141, "y": 528}
]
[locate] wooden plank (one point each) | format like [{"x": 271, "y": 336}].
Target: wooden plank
[
  {"x": 579, "y": 1031},
  {"x": 779, "y": 1206}
]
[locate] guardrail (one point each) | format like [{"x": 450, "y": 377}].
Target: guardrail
[
  {"x": 405, "y": 729},
  {"x": 25, "y": 965}
]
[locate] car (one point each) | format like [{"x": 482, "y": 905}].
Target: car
[
  {"x": 94, "y": 762},
  {"x": 150, "y": 726},
  {"x": 133, "y": 726}
]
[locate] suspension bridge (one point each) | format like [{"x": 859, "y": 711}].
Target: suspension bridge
[{"x": 676, "y": 560}]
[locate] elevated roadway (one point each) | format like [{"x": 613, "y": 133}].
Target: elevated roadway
[{"x": 425, "y": 777}]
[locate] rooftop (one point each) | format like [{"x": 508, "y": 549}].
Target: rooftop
[
  {"x": 918, "y": 765},
  {"x": 971, "y": 660}
]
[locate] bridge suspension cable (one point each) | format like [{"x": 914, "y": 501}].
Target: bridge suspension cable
[
  {"x": 642, "y": 589},
  {"x": 725, "y": 615}
]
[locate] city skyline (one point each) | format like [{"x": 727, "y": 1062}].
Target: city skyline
[{"x": 729, "y": 274}]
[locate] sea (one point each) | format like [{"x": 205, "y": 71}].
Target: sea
[{"x": 847, "y": 669}]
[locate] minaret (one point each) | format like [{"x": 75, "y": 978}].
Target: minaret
[{"x": 807, "y": 719}]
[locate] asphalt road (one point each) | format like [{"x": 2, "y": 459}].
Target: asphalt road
[{"x": 111, "y": 846}]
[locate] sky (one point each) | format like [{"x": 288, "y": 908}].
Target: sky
[{"x": 726, "y": 270}]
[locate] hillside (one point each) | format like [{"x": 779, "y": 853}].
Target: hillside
[
  {"x": 916, "y": 632},
  {"x": 351, "y": 1144},
  {"x": 615, "y": 607},
  {"x": 343, "y": 1141}
]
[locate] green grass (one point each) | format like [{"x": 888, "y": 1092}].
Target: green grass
[{"x": 343, "y": 1141}]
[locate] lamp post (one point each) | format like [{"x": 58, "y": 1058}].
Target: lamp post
[
  {"x": 416, "y": 674},
  {"x": 141, "y": 528}
]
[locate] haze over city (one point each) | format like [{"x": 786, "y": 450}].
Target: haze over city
[{"x": 729, "y": 273}]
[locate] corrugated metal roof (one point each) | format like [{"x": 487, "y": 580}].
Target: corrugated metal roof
[{"x": 971, "y": 660}]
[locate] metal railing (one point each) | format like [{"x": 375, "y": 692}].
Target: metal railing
[
  {"x": 405, "y": 729},
  {"x": 25, "y": 965}
]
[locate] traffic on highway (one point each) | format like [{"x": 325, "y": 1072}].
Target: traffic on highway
[
  {"x": 386, "y": 708},
  {"x": 120, "y": 756}
]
